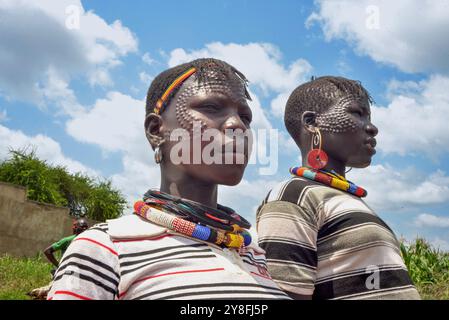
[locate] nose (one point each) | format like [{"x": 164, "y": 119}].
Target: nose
[
  {"x": 234, "y": 122},
  {"x": 371, "y": 129}
]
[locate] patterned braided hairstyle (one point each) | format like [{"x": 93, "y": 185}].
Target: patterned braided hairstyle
[
  {"x": 319, "y": 95},
  {"x": 164, "y": 79}
]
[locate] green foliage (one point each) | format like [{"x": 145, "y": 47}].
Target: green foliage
[
  {"x": 428, "y": 268},
  {"x": 27, "y": 170},
  {"x": 104, "y": 202},
  {"x": 84, "y": 195},
  {"x": 424, "y": 262}
]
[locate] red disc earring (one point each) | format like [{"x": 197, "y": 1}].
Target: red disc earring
[{"x": 317, "y": 158}]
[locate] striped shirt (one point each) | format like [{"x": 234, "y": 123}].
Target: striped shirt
[
  {"x": 131, "y": 258},
  {"x": 328, "y": 244}
]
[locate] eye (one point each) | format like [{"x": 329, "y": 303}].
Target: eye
[
  {"x": 209, "y": 108},
  {"x": 357, "y": 112}
]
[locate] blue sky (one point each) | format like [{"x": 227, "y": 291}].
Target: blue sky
[{"x": 73, "y": 80}]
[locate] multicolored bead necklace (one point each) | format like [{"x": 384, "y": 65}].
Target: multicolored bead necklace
[
  {"x": 160, "y": 207},
  {"x": 331, "y": 179}
]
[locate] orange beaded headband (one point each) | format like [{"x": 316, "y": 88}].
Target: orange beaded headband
[{"x": 176, "y": 83}]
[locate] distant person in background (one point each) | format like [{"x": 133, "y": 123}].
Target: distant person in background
[
  {"x": 322, "y": 241},
  {"x": 79, "y": 226}
]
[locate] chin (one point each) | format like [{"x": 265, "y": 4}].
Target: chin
[
  {"x": 228, "y": 176},
  {"x": 359, "y": 164}
]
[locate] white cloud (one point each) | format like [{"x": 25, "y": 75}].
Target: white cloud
[
  {"x": 408, "y": 35},
  {"x": 246, "y": 196},
  {"x": 278, "y": 104},
  {"x": 114, "y": 123},
  {"x": 100, "y": 77},
  {"x": 401, "y": 189},
  {"x": 55, "y": 89},
  {"x": 35, "y": 40},
  {"x": 148, "y": 59},
  {"x": 145, "y": 78},
  {"x": 261, "y": 122},
  {"x": 260, "y": 62},
  {"x": 46, "y": 149},
  {"x": 414, "y": 121},
  {"x": 137, "y": 177},
  {"x": 440, "y": 244},
  {"x": 430, "y": 220}
]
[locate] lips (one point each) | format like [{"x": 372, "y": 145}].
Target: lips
[
  {"x": 235, "y": 147},
  {"x": 371, "y": 143}
]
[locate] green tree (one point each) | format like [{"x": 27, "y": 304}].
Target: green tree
[
  {"x": 83, "y": 195},
  {"x": 25, "y": 169}
]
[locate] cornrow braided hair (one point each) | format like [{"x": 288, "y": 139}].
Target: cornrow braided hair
[
  {"x": 319, "y": 95},
  {"x": 166, "y": 78}
]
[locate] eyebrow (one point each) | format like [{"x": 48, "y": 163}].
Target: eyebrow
[
  {"x": 364, "y": 107},
  {"x": 223, "y": 97},
  {"x": 367, "y": 109}
]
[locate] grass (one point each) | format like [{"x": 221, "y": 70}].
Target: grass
[
  {"x": 428, "y": 267},
  {"x": 19, "y": 276}
]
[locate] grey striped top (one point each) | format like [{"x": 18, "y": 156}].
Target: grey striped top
[{"x": 328, "y": 244}]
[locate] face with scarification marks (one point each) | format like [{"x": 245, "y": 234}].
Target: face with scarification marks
[
  {"x": 218, "y": 104},
  {"x": 347, "y": 131}
]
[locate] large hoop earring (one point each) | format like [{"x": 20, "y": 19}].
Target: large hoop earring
[
  {"x": 158, "y": 152},
  {"x": 317, "y": 158}
]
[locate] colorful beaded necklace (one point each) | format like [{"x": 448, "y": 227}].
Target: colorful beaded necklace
[
  {"x": 331, "y": 179},
  {"x": 159, "y": 208}
]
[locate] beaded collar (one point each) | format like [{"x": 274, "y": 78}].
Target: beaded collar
[
  {"x": 330, "y": 178},
  {"x": 221, "y": 226}
]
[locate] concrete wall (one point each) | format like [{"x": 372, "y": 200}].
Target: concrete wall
[{"x": 28, "y": 227}]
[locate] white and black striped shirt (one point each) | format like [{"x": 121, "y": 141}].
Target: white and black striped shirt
[
  {"x": 130, "y": 258},
  {"x": 328, "y": 244}
]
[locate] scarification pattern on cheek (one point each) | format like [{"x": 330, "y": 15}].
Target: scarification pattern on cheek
[
  {"x": 185, "y": 116},
  {"x": 338, "y": 119},
  {"x": 215, "y": 83}
]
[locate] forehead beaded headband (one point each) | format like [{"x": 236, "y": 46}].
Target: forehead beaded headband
[{"x": 178, "y": 81}]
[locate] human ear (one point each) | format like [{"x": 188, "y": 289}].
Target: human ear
[
  {"x": 308, "y": 120},
  {"x": 153, "y": 129}
]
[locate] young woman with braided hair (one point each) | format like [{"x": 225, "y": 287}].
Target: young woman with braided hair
[
  {"x": 322, "y": 240},
  {"x": 179, "y": 243}
]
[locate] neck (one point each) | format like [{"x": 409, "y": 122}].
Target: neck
[
  {"x": 332, "y": 164},
  {"x": 187, "y": 187}
]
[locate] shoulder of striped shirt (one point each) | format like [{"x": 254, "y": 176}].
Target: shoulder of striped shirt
[
  {"x": 298, "y": 191},
  {"x": 125, "y": 228},
  {"x": 131, "y": 227},
  {"x": 295, "y": 188},
  {"x": 292, "y": 189}
]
